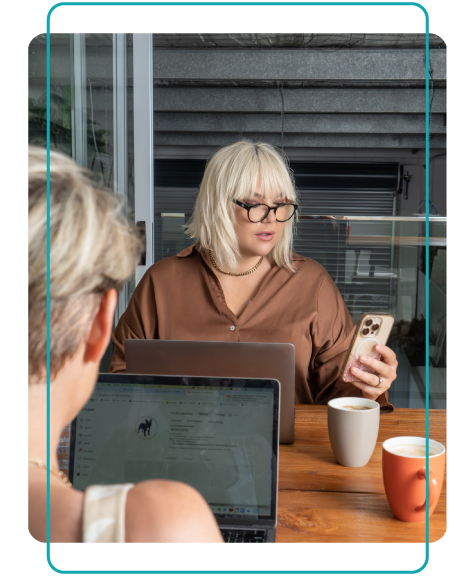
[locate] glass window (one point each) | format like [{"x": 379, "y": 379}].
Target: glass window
[
  {"x": 60, "y": 71},
  {"x": 99, "y": 92},
  {"x": 91, "y": 112}
]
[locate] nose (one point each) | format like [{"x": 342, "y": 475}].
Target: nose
[{"x": 271, "y": 217}]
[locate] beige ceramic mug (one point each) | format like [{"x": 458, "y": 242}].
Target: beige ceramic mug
[{"x": 353, "y": 426}]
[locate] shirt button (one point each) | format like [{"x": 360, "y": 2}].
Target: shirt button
[{"x": 233, "y": 327}]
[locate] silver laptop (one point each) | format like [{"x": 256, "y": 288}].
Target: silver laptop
[
  {"x": 222, "y": 359},
  {"x": 218, "y": 435}
]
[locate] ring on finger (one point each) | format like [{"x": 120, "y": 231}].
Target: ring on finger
[{"x": 381, "y": 380}]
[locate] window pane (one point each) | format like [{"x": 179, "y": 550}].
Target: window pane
[
  {"x": 60, "y": 111},
  {"x": 100, "y": 108}
]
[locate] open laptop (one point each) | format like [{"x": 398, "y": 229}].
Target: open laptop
[
  {"x": 223, "y": 359},
  {"x": 218, "y": 435}
]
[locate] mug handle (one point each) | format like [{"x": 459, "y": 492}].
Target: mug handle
[{"x": 421, "y": 474}]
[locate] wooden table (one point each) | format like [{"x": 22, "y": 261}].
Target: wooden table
[{"x": 321, "y": 501}]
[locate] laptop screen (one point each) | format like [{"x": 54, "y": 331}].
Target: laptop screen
[{"x": 218, "y": 435}]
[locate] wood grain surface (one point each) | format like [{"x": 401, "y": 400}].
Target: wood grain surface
[{"x": 321, "y": 501}]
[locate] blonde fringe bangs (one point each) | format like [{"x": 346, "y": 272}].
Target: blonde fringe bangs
[{"x": 235, "y": 172}]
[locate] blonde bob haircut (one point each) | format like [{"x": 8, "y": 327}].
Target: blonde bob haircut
[
  {"x": 236, "y": 172},
  {"x": 92, "y": 248}
]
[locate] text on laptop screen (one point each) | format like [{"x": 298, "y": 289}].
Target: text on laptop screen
[{"x": 218, "y": 440}]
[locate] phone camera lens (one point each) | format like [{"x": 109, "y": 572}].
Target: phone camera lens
[
  {"x": 368, "y": 322},
  {"x": 365, "y": 331},
  {"x": 376, "y": 327}
]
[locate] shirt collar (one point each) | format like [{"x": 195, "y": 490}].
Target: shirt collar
[{"x": 188, "y": 251}]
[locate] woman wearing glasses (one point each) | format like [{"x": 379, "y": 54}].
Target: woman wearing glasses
[{"x": 241, "y": 281}]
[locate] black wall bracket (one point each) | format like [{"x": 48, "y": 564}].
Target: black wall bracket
[{"x": 406, "y": 179}]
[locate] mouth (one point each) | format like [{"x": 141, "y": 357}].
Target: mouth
[{"x": 266, "y": 236}]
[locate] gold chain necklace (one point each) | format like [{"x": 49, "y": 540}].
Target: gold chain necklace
[
  {"x": 213, "y": 262},
  {"x": 36, "y": 463}
]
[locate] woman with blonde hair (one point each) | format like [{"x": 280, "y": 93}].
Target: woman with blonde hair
[
  {"x": 242, "y": 282},
  {"x": 93, "y": 250}
]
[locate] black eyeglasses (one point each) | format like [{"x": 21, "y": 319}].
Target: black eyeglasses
[{"x": 259, "y": 212}]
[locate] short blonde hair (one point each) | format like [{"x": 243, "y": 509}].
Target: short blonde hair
[
  {"x": 232, "y": 173},
  {"x": 92, "y": 249}
]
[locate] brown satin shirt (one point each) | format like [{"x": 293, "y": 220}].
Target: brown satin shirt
[{"x": 180, "y": 298}]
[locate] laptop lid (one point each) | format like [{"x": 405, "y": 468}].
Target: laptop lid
[
  {"x": 218, "y": 435},
  {"x": 224, "y": 359}
]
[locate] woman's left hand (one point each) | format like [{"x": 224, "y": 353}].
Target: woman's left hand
[{"x": 373, "y": 385}]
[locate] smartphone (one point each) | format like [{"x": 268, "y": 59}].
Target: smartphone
[{"x": 372, "y": 329}]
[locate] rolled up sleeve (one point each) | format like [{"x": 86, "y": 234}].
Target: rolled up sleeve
[{"x": 139, "y": 321}]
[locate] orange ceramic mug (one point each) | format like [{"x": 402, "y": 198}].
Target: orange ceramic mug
[{"x": 404, "y": 475}]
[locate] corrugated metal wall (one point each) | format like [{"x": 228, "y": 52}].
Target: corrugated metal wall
[{"x": 329, "y": 188}]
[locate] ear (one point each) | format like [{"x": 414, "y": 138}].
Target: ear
[{"x": 100, "y": 331}]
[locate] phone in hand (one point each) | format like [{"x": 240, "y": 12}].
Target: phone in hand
[{"x": 372, "y": 329}]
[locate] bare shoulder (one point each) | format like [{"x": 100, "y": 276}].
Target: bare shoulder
[{"x": 166, "y": 511}]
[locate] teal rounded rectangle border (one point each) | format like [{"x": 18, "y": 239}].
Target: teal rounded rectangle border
[{"x": 48, "y": 315}]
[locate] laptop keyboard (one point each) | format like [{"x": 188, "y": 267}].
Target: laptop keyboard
[{"x": 250, "y": 536}]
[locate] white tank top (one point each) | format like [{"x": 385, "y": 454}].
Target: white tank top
[{"x": 104, "y": 513}]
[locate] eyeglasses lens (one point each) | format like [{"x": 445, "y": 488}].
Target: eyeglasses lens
[
  {"x": 283, "y": 213},
  {"x": 259, "y": 212}
]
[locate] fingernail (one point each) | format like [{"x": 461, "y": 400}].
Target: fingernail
[
  {"x": 379, "y": 347},
  {"x": 363, "y": 358},
  {"x": 354, "y": 369}
]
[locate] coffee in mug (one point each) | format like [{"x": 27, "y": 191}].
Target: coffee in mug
[
  {"x": 356, "y": 407},
  {"x": 405, "y": 473},
  {"x": 413, "y": 450},
  {"x": 353, "y": 425}
]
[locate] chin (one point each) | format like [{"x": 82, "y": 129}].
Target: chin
[
  {"x": 265, "y": 251},
  {"x": 262, "y": 249}
]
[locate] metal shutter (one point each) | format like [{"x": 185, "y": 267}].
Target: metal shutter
[{"x": 335, "y": 188}]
